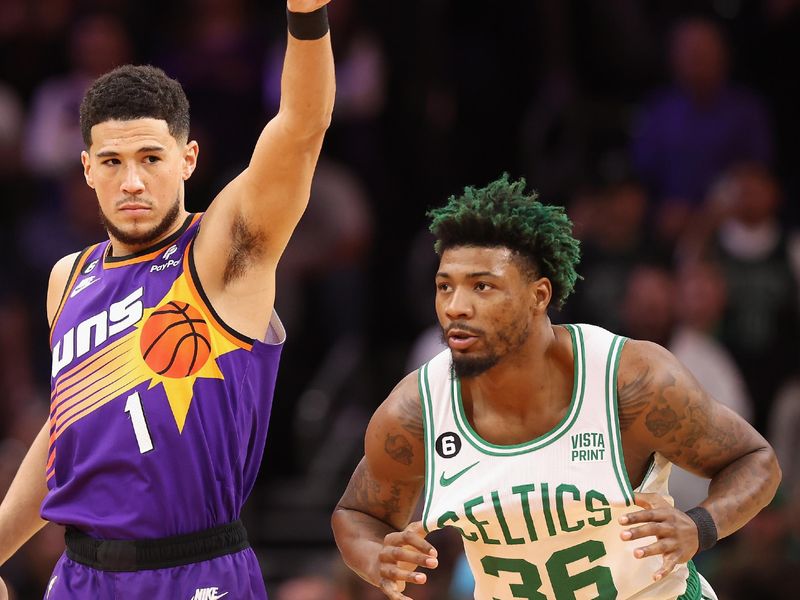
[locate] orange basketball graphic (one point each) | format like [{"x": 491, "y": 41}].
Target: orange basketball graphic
[{"x": 175, "y": 340}]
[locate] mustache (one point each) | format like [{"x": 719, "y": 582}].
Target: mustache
[
  {"x": 462, "y": 327},
  {"x": 132, "y": 200}
]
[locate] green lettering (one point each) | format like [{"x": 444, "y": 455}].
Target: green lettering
[
  {"x": 548, "y": 516},
  {"x": 562, "y": 515},
  {"x": 591, "y": 496},
  {"x": 468, "y": 506},
  {"x": 451, "y": 516},
  {"x": 498, "y": 510},
  {"x": 523, "y": 491}
]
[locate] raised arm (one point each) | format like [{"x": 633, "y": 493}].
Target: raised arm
[
  {"x": 665, "y": 410},
  {"x": 249, "y": 224},
  {"x": 371, "y": 521}
]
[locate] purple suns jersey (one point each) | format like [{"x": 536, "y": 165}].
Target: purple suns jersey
[{"x": 159, "y": 411}]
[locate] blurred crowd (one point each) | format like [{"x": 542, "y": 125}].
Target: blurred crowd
[{"x": 667, "y": 128}]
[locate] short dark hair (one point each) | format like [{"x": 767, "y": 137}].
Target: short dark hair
[
  {"x": 135, "y": 92},
  {"x": 503, "y": 215}
]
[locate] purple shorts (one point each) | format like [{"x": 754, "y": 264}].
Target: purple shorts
[{"x": 233, "y": 577}]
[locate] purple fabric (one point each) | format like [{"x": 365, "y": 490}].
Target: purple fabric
[
  {"x": 100, "y": 481},
  {"x": 679, "y": 148},
  {"x": 235, "y": 576}
]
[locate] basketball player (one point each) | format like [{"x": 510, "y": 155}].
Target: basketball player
[
  {"x": 165, "y": 345},
  {"x": 547, "y": 447}
]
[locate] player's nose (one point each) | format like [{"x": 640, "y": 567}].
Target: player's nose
[
  {"x": 459, "y": 305},
  {"x": 133, "y": 183}
]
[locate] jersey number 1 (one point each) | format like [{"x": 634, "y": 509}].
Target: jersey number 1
[{"x": 134, "y": 408}]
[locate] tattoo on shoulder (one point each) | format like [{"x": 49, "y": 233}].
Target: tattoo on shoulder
[
  {"x": 399, "y": 448},
  {"x": 411, "y": 416},
  {"x": 633, "y": 397},
  {"x": 247, "y": 246},
  {"x": 676, "y": 413}
]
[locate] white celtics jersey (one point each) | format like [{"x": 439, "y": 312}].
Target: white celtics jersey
[{"x": 539, "y": 520}]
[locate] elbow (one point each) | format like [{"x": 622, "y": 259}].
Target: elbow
[
  {"x": 308, "y": 122},
  {"x": 772, "y": 472},
  {"x": 777, "y": 474}
]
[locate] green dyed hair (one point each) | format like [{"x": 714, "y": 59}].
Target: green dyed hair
[{"x": 503, "y": 215}]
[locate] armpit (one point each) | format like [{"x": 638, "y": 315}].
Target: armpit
[{"x": 247, "y": 248}]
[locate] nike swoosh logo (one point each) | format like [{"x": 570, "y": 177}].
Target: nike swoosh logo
[
  {"x": 445, "y": 481},
  {"x": 220, "y": 596}
]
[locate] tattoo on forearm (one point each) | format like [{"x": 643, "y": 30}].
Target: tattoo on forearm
[
  {"x": 399, "y": 448},
  {"x": 391, "y": 503}
]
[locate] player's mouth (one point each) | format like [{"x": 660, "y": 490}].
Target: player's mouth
[
  {"x": 458, "y": 339},
  {"x": 134, "y": 209}
]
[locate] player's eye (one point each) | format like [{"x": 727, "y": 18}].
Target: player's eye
[
  {"x": 482, "y": 286},
  {"x": 442, "y": 287},
  {"x": 152, "y": 159},
  {"x": 110, "y": 162}
]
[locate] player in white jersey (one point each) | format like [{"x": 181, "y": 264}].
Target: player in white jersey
[{"x": 547, "y": 447}]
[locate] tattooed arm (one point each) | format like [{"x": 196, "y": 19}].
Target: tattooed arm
[
  {"x": 371, "y": 521},
  {"x": 663, "y": 409}
]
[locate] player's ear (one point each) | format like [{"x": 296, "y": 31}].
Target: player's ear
[
  {"x": 87, "y": 169},
  {"x": 542, "y": 291},
  {"x": 190, "y": 152}
]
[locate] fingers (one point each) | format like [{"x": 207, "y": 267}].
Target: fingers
[
  {"x": 402, "y": 552},
  {"x": 413, "y": 536},
  {"x": 658, "y": 530},
  {"x": 397, "y": 554},
  {"x": 675, "y": 540},
  {"x": 397, "y": 574},
  {"x": 669, "y": 563},
  {"x": 393, "y": 590},
  {"x": 650, "y": 500}
]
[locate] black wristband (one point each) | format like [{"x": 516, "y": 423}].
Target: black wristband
[
  {"x": 308, "y": 26},
  {"x": 706, "y": 528}
]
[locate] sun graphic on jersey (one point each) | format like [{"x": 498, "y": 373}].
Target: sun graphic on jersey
[{"x": 178, "y": 347}]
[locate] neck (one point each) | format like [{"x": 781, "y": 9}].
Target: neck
[
  {"x": 530, "y": 379},
  {"x": 125, "y": 248}
]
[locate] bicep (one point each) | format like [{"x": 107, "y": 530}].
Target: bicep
[
  {"x": 389, "y": 479},
  {"x": 680, "y": 420}
]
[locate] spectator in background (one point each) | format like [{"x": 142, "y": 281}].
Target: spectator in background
[
  {"x": 760, "y": 260},
  {"x": 699, "y": 301},
  {"x": 698, "y": 127},
  {"x": 614, "y": 243},
  {"x": 361, "y": 77},
  {"x": 648, "y": 310},
  {"x": 217, "y": 58},
  {"x": 98, "y": 43}
]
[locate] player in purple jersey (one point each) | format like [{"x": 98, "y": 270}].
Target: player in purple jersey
[{"x": 165, "y": 344}]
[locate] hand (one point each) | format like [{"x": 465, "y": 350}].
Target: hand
[
  {"x": 677, "y": 534},
  {"x": 305, "y": 6},
  {"x": 3, "y": 590},
  {"x": 402, "y": 552}
]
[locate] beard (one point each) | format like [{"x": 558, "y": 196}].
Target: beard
[
  {"x": 146, "y": 237},
  {"x": 509, "y": 340}
]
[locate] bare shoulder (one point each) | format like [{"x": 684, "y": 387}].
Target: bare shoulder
[
  {"x": 663, "y": 408},
  {"x": 394, "y": 441},
  {"x": 58, "y": 282}
]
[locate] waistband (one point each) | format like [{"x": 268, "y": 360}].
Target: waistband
[{"x": 160, "y": 553}]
